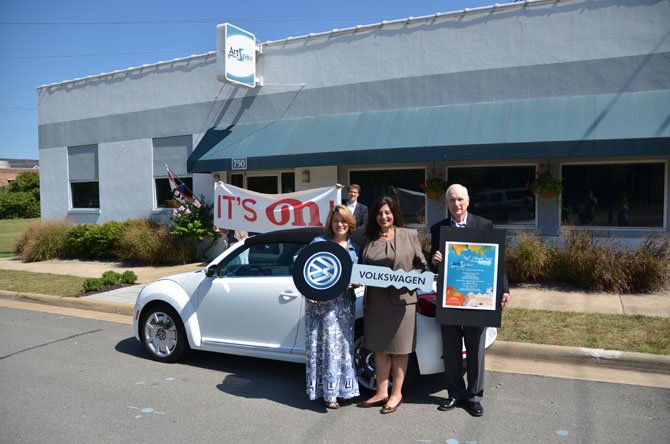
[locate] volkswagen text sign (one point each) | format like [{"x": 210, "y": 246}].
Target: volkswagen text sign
[{"x": 235, "y": 55}]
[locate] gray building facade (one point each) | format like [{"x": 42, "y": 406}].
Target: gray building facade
[{"x": 488, "y": 97}]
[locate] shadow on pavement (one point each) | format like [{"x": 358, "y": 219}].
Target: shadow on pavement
[{"x": 278, "y": 381}]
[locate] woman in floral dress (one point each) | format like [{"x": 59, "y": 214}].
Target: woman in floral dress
[{"x": 329, "y": 326}]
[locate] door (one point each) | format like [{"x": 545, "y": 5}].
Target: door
[{"x": 252, "y": 302}]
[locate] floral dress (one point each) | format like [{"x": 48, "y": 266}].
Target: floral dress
[{"x": 329, "y": 343}]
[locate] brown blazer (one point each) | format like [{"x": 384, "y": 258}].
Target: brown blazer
[{"x": 409, "y": 256}]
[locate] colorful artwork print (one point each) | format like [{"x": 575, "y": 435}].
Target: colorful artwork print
[{"x": 470, "y": 275}]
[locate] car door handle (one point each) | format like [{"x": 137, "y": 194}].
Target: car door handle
[{"x": 288, "y": 295}]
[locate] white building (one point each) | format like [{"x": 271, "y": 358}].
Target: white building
[{"x": 487, "y": 98}]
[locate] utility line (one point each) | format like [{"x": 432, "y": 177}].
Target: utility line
[
  {"x": 181, "y": 21},
  {"x": 189, "y": 51}
]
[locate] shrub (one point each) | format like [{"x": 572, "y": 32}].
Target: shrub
[
  {"x": 128, "y": 277},
  {"x": 146, "y": 242},
  {"x": 590, "y": 265},
  {"x": 18, "y": 205},
  {"x": 110, "y": 277},
  {"x": 43, "y": 241},
  {"x": 649, "y": 265},
  {"x": 92, "y": 284},
  {"x": 21, "y": 198},
  {"x": 528, "y": 260},
  {"x": 90, "y": 241},
  {"x": 191, "y": 221}
]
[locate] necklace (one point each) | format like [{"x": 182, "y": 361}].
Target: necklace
[{"x": 389, "y": 232}]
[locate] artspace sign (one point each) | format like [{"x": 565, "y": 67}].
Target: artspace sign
[{"x": 235, "y": 55}]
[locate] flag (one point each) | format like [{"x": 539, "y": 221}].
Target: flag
[{"x": 179, "y": 190}]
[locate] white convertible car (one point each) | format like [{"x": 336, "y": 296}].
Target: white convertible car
[{"x": 245, "y": 303}]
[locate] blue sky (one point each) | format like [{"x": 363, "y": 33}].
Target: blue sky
[{"x": 47, "y": 41}]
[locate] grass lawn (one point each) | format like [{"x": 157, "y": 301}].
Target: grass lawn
[
  {"x": 643, "y": 334},
  {"x": 41, "y": 283},
  {"x": 10, "y": 229}
]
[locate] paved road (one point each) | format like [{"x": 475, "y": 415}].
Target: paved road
[{"x": 71, "y": 379}]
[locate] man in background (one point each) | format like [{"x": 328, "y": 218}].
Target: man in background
[{"x": 359, "y": 210}]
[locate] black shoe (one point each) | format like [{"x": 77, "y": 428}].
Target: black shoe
[
  {"x": 474, "y": 408},
  {"x": 448, "y": 404}
]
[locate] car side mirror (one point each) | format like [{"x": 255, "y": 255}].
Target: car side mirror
[{"x": 210, "y": 271}]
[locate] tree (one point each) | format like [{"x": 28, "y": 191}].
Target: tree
[{"x": 21, "y": 198}]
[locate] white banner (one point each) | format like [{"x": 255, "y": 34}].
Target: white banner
[
  {"x": 383, "y": 277},
  {"x": 239, "y": 209}
]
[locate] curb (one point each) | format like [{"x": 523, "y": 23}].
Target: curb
[
  {"x": 69, "y": 302},
  {"x": 620, "y": 360}
]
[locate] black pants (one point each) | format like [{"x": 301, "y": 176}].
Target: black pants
[{"x": 453, "y": 338}]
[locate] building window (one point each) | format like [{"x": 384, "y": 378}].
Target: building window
[
  {"x": 172, "y": 152},
  {"x": 237, "y": 180},
  {"x": 288, "y": 182},
  {"x": 612, "y": 195},
  {"x": 498, "y": 193},
  {"x": 164, "y": 196},
  {"x": 402, "y": 184},
  {"x": 83, "y": 176}
]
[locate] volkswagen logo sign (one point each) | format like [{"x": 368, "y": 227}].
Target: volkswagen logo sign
[{"x": 322, "y": 271}]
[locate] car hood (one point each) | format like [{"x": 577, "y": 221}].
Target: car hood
[{"x": 189, "y": 280}]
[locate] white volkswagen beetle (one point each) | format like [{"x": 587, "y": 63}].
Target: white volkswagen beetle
[{"x": 245, "y": 303}]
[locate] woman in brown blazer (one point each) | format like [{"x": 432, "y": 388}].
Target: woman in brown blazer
[{"x": 390, "y": 313}]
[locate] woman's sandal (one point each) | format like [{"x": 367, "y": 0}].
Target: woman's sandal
[{"x": 332, "y": 405}]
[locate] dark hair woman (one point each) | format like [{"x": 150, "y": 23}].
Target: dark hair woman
[{"x": 390, "y": 313}]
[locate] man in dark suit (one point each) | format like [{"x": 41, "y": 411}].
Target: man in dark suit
[
  {"x": 359, "y": 210},
  {"x": 453, "y": 336}
]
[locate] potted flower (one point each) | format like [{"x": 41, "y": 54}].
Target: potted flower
[
  {"x": 546, "y": 185},
  {"x": 435, "y": 187}
]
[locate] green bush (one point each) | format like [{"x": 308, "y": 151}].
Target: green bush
[
  {"x": 18, "y": 205},
  {"x": 21, "y": 198},
  {"x": 90, "y": 241},
  {"x": 128, "y": 277},
  {"x": 92, "y": 284},
  {"x": 28, "y": 182},
  {"x": 43, "y": 241},
  {"x": 194, "y": 222},
  {"x": 110, "y": 277}
]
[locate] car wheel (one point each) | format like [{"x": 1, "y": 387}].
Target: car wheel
[
  {"x": 163, "y": 333},
  {"x": 364, "y": 363}
]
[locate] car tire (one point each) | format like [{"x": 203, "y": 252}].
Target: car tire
[
  {"x": 364, "y": 363},
  {"x": 163, "y": 334}
]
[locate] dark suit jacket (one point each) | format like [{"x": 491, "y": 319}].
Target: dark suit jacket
[
  {"x": 360, "y": 213},
  {"x": 473, "y": 222}
]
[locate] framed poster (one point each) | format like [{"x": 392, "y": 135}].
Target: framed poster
[{"x": 470, "y": 278}]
